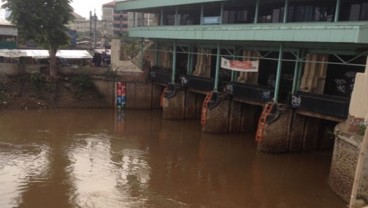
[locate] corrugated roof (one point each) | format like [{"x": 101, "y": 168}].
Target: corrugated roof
[
  {"x": 110, "y": 4},
  {"x": 67, "y": 54},
  {"x": 5, "y": 23}
]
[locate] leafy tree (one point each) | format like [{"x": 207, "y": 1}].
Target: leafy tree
[{"x": 43, "y": 21}]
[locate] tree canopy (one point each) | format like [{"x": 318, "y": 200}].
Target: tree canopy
[{"x": 43, "y": 21}]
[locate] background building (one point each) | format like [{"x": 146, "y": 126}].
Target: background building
[{"x": 8, "y": 35}]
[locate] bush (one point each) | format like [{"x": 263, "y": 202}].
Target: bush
[
  {"x": 36, "y": 81},
  {"x": 83, "y": 81}
]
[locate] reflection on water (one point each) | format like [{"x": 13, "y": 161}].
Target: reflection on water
[
  {"x": 97, "y": 158},
  {"x": 20, "y": 165}
]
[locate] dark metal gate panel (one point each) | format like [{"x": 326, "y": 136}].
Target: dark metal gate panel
[
  {"x": 323, "y": 104},
  {"x": 160, "y": 76},
  {"x": 250, "y": 92},
  {"x": 198, "y": 83}
]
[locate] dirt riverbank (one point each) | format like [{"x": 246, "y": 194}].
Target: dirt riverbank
[{"x": 37, "y": 91}]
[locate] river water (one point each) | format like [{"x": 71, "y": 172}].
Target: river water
[{"x": 98, "y": 158}]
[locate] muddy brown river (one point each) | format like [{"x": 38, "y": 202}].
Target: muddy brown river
[{"x": 101, "y": 159}]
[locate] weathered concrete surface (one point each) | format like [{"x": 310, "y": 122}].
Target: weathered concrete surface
[
  {"x": 250, "y": 117},
  {"x": 107, "y": 89},
  {"x": 296, "y": 132},
  {"x": 193, "y": 105},
  {"x": 358, "y": 104},
  {"x": 217, "y": 120},
  {"x": 235, "y": 117},
  {"x": 344, "y": 161},
  {"x": 174, "y": 108},
  {"x": 142, "y": 95},
  {"x": 275, "y": 139},
  {"x": 311, "y": 134}
]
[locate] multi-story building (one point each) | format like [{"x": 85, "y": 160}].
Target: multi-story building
[
  {"x": 80, "y": 24},
  {"x": 302, "y": 47},
  {"x": 116, "y": 21},
  {"x": 300, "y": 55}
]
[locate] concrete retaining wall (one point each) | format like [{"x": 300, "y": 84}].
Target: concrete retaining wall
[{"x": 344, "y": 162}]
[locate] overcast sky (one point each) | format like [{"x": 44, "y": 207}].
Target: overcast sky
[{"x": 82, "y": 7}]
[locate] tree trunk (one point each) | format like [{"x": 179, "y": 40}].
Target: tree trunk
[{"x": 53, "y": 65}]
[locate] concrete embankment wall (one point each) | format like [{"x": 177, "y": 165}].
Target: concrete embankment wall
[{"x": 344, "y": 162}]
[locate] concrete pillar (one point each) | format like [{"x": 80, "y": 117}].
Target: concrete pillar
[
  {"x": 217, "y": 120},
  {"x": 314, "y": 75},
  {"x": 348, "y": 144},
  {"x": 344, "y": 162},
  {"x": 174, "y": 108},
  {"x": 275, "y": 139}
]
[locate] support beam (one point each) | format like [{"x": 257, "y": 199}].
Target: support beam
[
  {"x": 221, "y": 13},
  {"x": 300, "y": 70},
  {"x": 173, "y": 73},
  {"x": 256, "y": 13},
  {"x": 337, "y": 10},
  {"x": 162, "y": 17},
  {"x": 217, "y": 75},
  {"x": 296, "y": 73},
  {"x": 142, "y": 53},
  {"x": 157, "y": 55},
  {"x": 233, "y": 73},
  {"x": 202, "y": 13},
  {"x": 134, "y": 25},
  {"x": 286, "y": 11},
  {"x": 189, "y": 64},
  {"x": 278, "y": 74},
  {"x": 176, "y": 18}
]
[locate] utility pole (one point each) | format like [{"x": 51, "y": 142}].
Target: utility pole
[
  {"x": 90, "y": 30},
  {"x": 105, "y": 38},
  {"x": 95, "y": 29}
]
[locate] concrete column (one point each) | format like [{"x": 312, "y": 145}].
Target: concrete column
[
  {"x": 157, "y": 55},
  {"x": 174, "y": 108},
  {"x": 256, "y": 12},
  {"x": 278, "y": 74},
  {"x": 337, "y": 10},
  {"x": 217, "y": 75},
  {"x": 286, "y": 11},
  {"x": 173, "y": 73},
  {"x": 162, "y": 17},
  {"x": 344, "y": 162}
]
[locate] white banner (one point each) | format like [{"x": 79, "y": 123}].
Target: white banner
[{"x": 241, "y": 66}]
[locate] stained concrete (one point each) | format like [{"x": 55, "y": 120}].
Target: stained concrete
[{"x": 344, "y": 162}]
